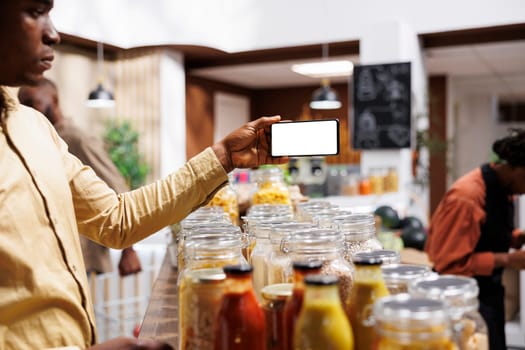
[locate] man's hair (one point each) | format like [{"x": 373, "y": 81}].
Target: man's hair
[{"x": 511, "y": 149}]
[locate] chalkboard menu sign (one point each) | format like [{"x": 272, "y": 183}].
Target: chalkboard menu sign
[{"x": 381, "y": 116}]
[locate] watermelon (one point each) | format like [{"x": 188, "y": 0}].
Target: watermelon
[
  {"x": 414, "y": 238},
  {"x": 389, "y": 217}
]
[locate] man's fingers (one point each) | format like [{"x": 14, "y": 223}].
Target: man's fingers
[{"x": 264, "y": 122}]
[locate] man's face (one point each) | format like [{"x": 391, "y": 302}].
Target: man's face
[{"x": 26, "y": 39}]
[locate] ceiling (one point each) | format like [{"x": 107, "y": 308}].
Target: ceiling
[{"x": 499, "y": 59}]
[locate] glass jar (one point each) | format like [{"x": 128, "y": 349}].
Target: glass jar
[
  {"x": 306, "y": 210},
  {"x": 368, "y": 287},
  {"x": 294, "y": 304},
  {"x": 279, "y": 265},
  {"x": 271, "y": 188},
  {"x": 253, "y": 222},
  {"x": 388, "y": 257},
  {"x": 376, "y": 181},
  {"x": 398, "y": 276},
  {"x": 322, "y": 323},
  {"x": 202, "y": 231},
  {"x": 226, "y": 198},
  {"x": 274, "y": 299},
  {"x": 359, "y": 232},
  {"x": 391, "y": 180},
  {"x": 202, "y": 294},
  {"x": 403, "y": 322},
  {"x": 326, "y": 246},
  {"x": 240, "y": 324},
  {"x": 460, "y": 294}
]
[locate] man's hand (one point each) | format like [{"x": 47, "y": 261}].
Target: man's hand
[
  {"x": 129, "y": 262},
  {"x": 248, "y": 146},
  {"x": 131, "y": 344},
  {"x": 513, "y": 260}
]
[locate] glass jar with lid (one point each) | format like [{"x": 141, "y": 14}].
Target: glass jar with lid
[
  {"x": 271, "y": 188},
  {"x": 274, "y": 298},
  {"x": 403, "y": 322},
  {"x": 279, "y": 266},
  {"x": 226, "y": 198},
  {"x": 460, "y": 294},
  {"x": 387, "y": 257},
  {"x": 305, "y": 210},
  {"x": 260, "y": 254},
  {"x": 398, "y": 276},
  {"x": 191, "y": 234},
  {"x": 359, "y": 232},
  {"x": 201, "y": 297},
  {"x": 324, "y": 245}
]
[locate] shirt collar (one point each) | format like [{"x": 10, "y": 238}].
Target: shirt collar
[{"x": 8, "y": 101}]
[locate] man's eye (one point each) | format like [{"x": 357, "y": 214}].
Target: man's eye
[{"x": 37, "y": 12}]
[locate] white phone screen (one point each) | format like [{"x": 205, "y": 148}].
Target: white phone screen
[{"x": 305, "y": 138}]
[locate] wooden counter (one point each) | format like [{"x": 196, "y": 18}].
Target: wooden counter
[{"x": 161, "y": 320}]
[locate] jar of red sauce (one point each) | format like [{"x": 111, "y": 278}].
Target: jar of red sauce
[{"x": 240, "y": 324}]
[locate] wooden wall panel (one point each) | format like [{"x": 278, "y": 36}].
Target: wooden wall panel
[{"x": 137, "y": 96}]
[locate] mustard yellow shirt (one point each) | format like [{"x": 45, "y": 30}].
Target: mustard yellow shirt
[{"x": 46, "y": 197}]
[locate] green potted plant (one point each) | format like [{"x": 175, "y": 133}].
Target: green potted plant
[{"x": 122, "y": 144}]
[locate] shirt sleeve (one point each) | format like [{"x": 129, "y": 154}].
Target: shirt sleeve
[
  {"x": 453, "y": 235},
  {"x": 91, "y": 151},
  {"x": 118, "y": 221}
]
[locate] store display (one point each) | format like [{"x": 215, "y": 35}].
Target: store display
[{"x": 322, "y": 322}]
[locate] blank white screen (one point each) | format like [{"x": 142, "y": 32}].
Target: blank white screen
[{"x": 305, "y": 138}]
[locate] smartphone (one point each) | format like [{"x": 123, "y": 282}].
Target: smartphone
[{"x": 305, "y": 138}]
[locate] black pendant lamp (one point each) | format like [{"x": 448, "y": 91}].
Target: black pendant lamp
[
  {"x": 100, "y": 97},
  {"x": 325, "y": 97}
]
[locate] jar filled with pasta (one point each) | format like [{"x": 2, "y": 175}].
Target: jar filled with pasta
[
  {"x": 460, "y": 294},
  {"x": 403, "y": 322},
  {"x": 271, "y": 188},
  {"x": 226, "y": 198}
]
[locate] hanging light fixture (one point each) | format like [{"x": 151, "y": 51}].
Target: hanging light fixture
[
  {"x": 100, "y": 97},
  {"x": 325, "y": 97}
]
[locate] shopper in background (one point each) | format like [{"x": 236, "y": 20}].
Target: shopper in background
[
  {"x": 47, "y": 196},
  {"x": 472, "y": 229},
  {"x": 90, "y": 150}
]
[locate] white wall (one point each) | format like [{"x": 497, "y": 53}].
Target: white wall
[
  {"x": 472, "y": 125},
  {"x": 239, "y": 25}
]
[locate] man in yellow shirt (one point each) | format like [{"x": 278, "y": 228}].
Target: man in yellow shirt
[{"x": 47, "y": 196}]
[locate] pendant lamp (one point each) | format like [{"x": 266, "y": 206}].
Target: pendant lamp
[
  {"x": 325, "y": 97},
  {"x": 100, "y": 97}
]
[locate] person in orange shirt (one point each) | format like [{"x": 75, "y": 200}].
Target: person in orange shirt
[{"x": 472, "y": 230}]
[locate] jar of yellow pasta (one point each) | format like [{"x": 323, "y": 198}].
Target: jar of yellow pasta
[
  {"x": 271, "y": 188},
  {"x": 226, "y": 198}
]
